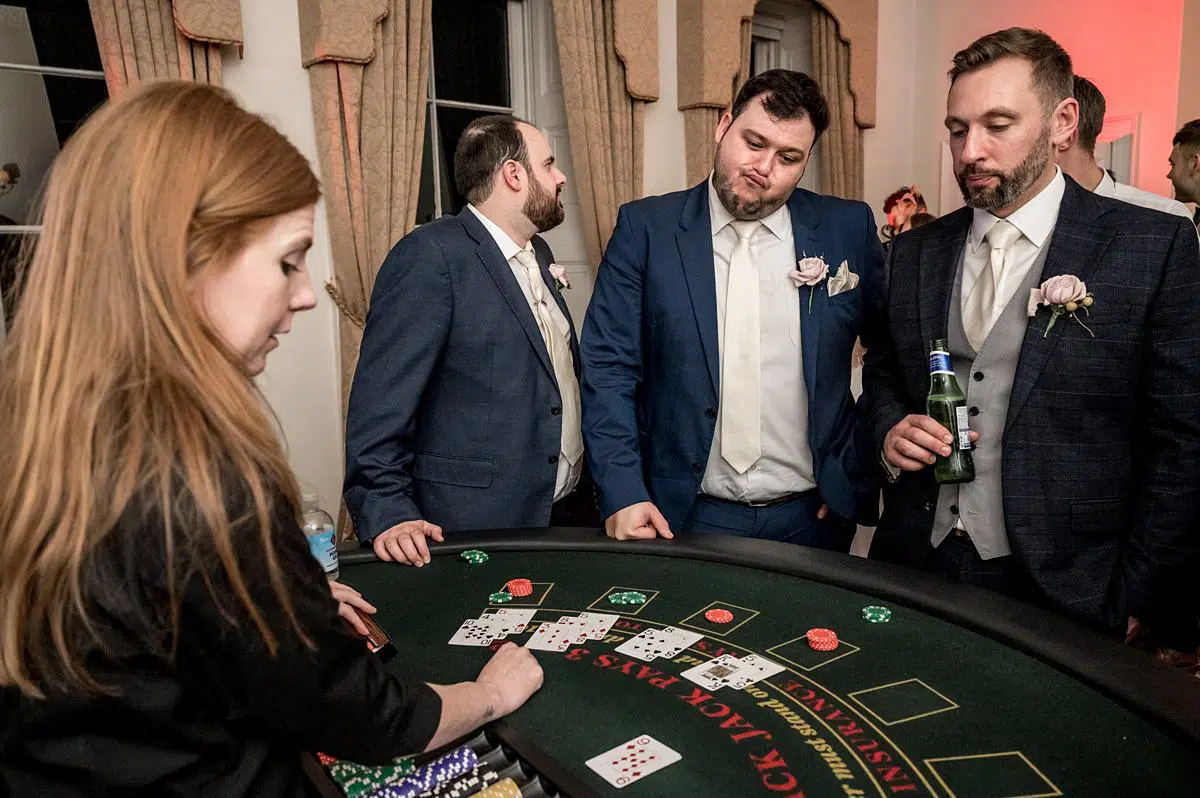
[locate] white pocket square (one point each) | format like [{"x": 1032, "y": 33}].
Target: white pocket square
[{"x": 844, "y": 280}]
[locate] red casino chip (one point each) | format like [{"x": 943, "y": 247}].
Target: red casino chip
[
  {"x": 719, "y": 616},
  {"x": 822, "y": 639},
  {"x": 520, "y": 587}
]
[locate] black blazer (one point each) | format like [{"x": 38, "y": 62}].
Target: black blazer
[
  {"x": 454, "y": 413},
  {"x": 223, "y": 717},
  {"x": 1101, "y": 449}
]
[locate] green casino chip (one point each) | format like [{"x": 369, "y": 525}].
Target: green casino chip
[
  {"x": 500, "y": 598},
  {"x": 475, "y": 556},
  {"x": 876, "y": 614},
  {"x": 627, "y": 597}
]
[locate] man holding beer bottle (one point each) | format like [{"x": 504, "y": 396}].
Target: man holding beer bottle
[{"x": 1061, "y": 326}]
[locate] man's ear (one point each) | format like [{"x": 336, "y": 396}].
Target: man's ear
[
  {"x": 1064, "y": 122},
  {"x": 513, "y": 175},
  {"x": 722, "y": 126}
]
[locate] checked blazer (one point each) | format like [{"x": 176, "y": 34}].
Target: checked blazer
[{"x": 1101, "y": 443}]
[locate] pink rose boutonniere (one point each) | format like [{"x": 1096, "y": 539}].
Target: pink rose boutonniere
[
  {"x": 1064, "y": 294},
  {"x": 559, "y": 273},
  {"x": 811, "y": 272}
]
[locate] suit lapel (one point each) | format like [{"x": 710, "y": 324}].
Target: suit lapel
[
  {"x": 543, "y": 258},
  {"x": 694, "y": 239},
  {"x": 805, "y": 222},
  {"x": 489, "y": 254},
  {"x": 937, "y": 262},
  {"x": 1076, "y": 247}
]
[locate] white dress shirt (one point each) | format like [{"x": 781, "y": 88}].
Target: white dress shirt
[
  {"x": 1035, "y": 219},
  {"x": 785, "y": 465},
  {"x": 1135, "y": 196},
  {"x": 568, "y": 475}
]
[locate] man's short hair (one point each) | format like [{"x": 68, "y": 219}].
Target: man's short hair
[
  {"x": 786, "y": 95},
  {"x": 486, "y": 145},
  {"x": 1188, "y": 136},
  {"x": 1051, "y": 64},
  {"x": 1091, "y": 113}
]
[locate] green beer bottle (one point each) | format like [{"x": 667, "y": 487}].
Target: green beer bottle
[{"x": 948, "y": 406}]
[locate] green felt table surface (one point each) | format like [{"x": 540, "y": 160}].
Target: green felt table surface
[{"x": 916, "y": 706}]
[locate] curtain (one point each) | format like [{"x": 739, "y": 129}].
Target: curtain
[
  {"x": 368, "y": 63},
  {"x": 841, "y": 149},
  {"x": 144, "y": 39},
  {"x": 605, "y": 115}
]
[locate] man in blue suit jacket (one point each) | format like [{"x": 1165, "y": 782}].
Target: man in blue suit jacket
[
  {"x": 717, "y": 348},
  {"x": 464, "y": 411}
]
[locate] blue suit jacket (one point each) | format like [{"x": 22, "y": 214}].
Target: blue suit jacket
[
  {"x": 651, "y": 365},
  {"x": 454, "y": 413}
]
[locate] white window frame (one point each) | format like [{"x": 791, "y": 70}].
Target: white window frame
[{"x": 518, "y": 80}]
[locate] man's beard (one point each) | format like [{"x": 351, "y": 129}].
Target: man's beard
[
  {"x": 738, "y": 208},
  {"x": 543, "y": 208},
  {"x": 1009, "y": 187}
]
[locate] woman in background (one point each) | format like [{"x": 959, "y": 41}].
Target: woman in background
[{"x": 163, "y": 627}]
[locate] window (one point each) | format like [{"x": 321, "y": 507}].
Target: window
[
  {"x": 478, "y": 69},
  {"x": 50, "y": 80}
]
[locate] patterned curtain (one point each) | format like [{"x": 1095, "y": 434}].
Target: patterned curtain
[
  {"x": 841, "y": 148},
  {"x": 143, "y": 39}
]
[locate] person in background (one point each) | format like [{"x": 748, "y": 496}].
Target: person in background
[
  {"x": 464, "y": 411},
  {"x": 1076, "y": 156},
  {"x": 164, "y": 629},
  {"x": 1185, "y": 166},
  {"x": 900, "y": 207},
  {"x": 920, "y": 220}
]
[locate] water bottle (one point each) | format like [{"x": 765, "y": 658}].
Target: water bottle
[{"x": 318, "y": 528}]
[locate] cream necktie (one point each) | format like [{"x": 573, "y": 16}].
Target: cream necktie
[
  {"x": 741, "y": 372},
  {"x": 981, "y": 307},
  {"x": 560, "y": 358}
]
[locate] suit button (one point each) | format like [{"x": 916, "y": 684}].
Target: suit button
[
  {"x": 928, "y": 506},
  {"x": 711, "y": 412},
  {"x": 974, "y": 411},
  {"x": 552, "y": 459},
  {"x": 697, "y": 468},
  {"x": 554, "y": 411},
  {"x": 977, "y": 376},
  {"x": 954, "y": 509}
]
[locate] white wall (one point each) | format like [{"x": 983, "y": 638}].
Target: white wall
[
  {"x": 27, "y": 135},
  {"x": 302, "y": 380},
  {"x": 665, "y": 169}
]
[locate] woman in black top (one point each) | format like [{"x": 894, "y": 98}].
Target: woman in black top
[{"x": 163, "y": 628}]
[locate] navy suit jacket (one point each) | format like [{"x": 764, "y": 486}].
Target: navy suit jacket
[
  {"x": 1101, "y": 451},
  {"x": 454, "y": 415},
  {"x": 651, "y": 364}
]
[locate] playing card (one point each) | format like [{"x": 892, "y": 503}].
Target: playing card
[
  {"x": 714, "y": 674},
  {"x": 599, "y": 624},
  {"x": 474, "y": 632},
  {"x": 513, "y": 621},
  {"x": 676, "y": 640},
  {"x": 753, "y": 668},
  {"x": 633, "y": 761},
  {"x": 552, "y": 637},
  {"x": 646, "y": 646}
]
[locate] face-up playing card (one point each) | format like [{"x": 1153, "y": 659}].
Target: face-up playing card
[
  {"x": 474, "y": 632},
  {"x": 753, "y": 668},
  {"x": 633, "y": 761},
  {"x": 714, "y": 674},
  {"x": 676, "y": 640},
  {"x": 599, "y": 624},
  {"x": 513, "y": 621},
  {"x": 646, "y": 646},
  {"x": 554, "y": 637}
]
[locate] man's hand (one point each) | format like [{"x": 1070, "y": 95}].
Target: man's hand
[
  {"x": 511, "y": 676},
  {"x": 405, "y": 542},
  {"x": 348, "y": 598},
  {"x": 641, "y": 521},
  {"x": 914, "y": 443}
]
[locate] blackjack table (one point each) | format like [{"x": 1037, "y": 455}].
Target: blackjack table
[{"x": 960, "y": 692}]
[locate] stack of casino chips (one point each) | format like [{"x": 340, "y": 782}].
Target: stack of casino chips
[
  {"x": 627, "y": 597},
  {"x": 430, "y": 777},
  {"x": 360, "y": 780},
  {"x": 876, "y": 614},
  {"x": 822, "y": 639},
  {"x": 519, "y": 587},
  {"x": 468, "y": 784},
  {"x": 475, "y": 556},
  {"x": 506, "y": 788}
]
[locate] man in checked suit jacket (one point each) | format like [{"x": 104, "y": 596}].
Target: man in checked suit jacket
[
  {"x": 1087, "y": 486},
  {"x": 464, "y": 409}
]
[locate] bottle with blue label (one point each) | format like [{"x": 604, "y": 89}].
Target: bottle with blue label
[
  {"x": 318, "y": 528},
  {"x": 947, "y": 405}
]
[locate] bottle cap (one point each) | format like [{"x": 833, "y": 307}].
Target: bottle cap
[{"x": 310, "y": 500}]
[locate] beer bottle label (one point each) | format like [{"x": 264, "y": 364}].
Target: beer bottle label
[
  {"x": 964, "y": 431},
  {"x": 939, "y": 363}
]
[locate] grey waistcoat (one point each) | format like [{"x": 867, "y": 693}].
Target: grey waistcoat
[{"x": 979, "y": 504}]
